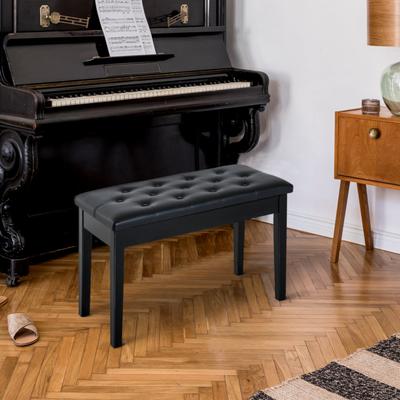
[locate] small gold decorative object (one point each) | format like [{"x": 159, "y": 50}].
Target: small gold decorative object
[
  {"x": 184, "y": 13},
  {"x": 374, "y": 133},
  {"x": 371, "y": 107},
  {"x": 47, "y": 18},
  {"x": 182, "y": 16}
]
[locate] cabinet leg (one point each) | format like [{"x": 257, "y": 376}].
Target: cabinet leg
[
  {"x": 363, "y": 197},
  {"x": 340, "y": 215}
]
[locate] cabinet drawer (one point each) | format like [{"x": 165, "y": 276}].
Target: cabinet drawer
[{"x": 358, "y": 155}]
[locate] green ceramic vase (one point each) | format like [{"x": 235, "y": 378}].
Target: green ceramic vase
[{"x": 390, "y": 86}]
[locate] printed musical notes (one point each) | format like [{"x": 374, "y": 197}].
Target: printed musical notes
[{"x": 125, "y": 27}]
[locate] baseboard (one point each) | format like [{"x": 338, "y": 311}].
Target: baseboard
[{"x": 388, "y": 241}]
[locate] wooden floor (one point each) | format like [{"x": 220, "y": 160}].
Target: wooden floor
[{"x": 193, "y": 330}]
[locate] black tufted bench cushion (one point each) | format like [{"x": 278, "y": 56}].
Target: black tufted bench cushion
[{"x": 140, "y": 212}]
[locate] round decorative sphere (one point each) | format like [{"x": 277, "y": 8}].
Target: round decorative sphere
[{"x": 390, "y": 86}]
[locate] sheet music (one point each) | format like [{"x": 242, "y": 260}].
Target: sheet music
[{"x": 125, "y": 27}]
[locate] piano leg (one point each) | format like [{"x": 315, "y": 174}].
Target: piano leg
[
  {"x": 12, "y": 279},
  {"x": 251, "y": 131},
  {"x": 222, "y": 136},
  {"x": 18, "y": 164},
  {"x": 16, "y": 269}
]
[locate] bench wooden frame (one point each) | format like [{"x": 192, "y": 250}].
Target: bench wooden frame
[{"x": 118, "y": 240}]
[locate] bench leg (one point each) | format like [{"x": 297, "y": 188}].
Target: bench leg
[
  {"x": 85, "y": 261},
  {"x": 238, "y": 235},
  {"x": 116, "y": 294},
  {"x": 280, "y": 237}
]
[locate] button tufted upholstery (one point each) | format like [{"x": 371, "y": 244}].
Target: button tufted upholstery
[
  {"x": 179, "y": 195},
  {"x": 140, "y": 212}
]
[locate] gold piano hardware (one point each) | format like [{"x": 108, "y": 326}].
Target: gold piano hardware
[
  {"x": 47, "y": 18},
  {"x": 182, "y": 17}
]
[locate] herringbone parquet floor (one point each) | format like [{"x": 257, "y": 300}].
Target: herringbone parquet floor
[{"x": 193, "y": 330}]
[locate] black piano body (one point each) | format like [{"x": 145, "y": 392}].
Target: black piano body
[{"x": 73, "y": 119}]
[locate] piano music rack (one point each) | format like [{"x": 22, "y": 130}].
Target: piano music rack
[{"x": 128, "y": 59}]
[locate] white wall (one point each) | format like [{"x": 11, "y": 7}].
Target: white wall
[{"x": 316, "y": 56}]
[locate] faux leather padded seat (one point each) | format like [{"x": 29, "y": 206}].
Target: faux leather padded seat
[
  {"x": 141, "y": 212},
  {"x": 179, "y": 195}
]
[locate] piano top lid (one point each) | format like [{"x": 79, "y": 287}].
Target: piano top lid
[{"x": 62, "y": 57}]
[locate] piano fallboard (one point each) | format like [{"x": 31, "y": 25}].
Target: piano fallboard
[
  {"x": 209, "y": 90},
  {"x": 226, "y": 100}
]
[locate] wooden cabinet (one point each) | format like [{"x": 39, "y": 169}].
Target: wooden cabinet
[{"x": 367, "y": 151}]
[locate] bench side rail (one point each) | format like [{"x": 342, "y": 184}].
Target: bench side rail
[{"x": 127, "y": 235}]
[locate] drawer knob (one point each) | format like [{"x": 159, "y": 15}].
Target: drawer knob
[{"x": 374, "y": 133}]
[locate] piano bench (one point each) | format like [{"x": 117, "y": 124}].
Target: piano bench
[{"x": 141, "y": 212}]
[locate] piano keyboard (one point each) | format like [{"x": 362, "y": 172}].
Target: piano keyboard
[{"x": 137, "y": 94}]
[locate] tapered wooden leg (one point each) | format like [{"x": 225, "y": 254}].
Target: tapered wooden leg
[
  {"x": 340, "y": 215},
  {"x": 280, "y": 239},
  {"x": 85, "y": 261},
  {"x": 116, "y": 294},
  {"x": 238, "y": 234},
  {"x": 363, "y": 197}
]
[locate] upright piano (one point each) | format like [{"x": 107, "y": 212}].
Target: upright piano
[{"x": 73, "y": 119}]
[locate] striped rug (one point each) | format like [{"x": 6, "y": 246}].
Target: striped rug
[{"x": 372, "y": 374}]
